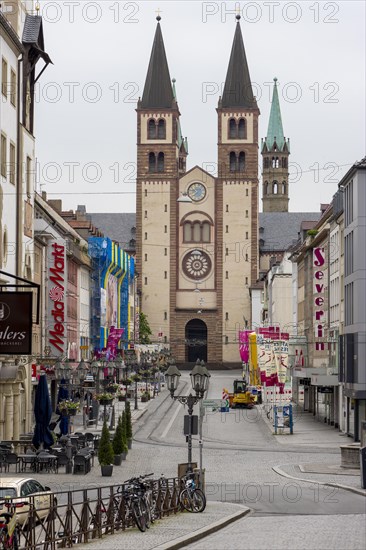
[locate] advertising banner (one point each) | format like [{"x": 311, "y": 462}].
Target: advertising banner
[
  {"x": 56, "y": 335},
  {"x": 16, "y": 323}
]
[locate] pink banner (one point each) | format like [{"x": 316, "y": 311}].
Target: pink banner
[{"x": 244, "y": 345}]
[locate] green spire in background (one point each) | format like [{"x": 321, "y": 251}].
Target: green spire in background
[{"x": 275, "y": 129}]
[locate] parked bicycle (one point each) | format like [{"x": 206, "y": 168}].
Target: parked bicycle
[
  {"x": 139, "y": 501},
  {"x": 191, "y": 497},
  {"x": 9, "y": 529}
]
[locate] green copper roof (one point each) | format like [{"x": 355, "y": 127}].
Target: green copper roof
[
  {"x": 181, "y": 139},
  {"x": 275, "y": 130}
]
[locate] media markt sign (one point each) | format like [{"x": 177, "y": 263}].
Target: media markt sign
[{"x": 16, "y": 323}]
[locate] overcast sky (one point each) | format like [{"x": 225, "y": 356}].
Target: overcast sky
[{"x": 85, "y": 113}]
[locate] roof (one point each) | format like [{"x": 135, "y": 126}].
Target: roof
[
  {"x": 33, "y": 35},
  {"x": 118, "y": 227},
  {"x": 280, "y": 230},
  {"x": 275, "y": 129},
  {"x": 158, "y": 93},
  {"x": 238, "y": 88}
]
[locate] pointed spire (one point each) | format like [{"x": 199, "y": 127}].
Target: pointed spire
[
  {"x": 275, "y": 129},
  {"x": 181, "y": 140},
  {"x": 238, "y": 88},
  {"x": 158, "y": 92}
]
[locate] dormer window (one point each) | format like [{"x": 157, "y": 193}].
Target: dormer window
[{"x": 156, "y": 129}]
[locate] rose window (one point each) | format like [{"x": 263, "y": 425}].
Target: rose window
[{"x": 196, "y": 264}]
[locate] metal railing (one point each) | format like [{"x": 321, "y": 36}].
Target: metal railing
[{"x": 67, "y": 518}]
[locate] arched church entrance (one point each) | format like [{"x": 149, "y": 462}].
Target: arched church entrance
[{"x": 196, "y": 340}]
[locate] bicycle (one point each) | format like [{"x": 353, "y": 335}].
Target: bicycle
[
  {"x": 138, "y": 503},
  {"x": 9, "y": 529},
  {"x": 191, "y": 497}
]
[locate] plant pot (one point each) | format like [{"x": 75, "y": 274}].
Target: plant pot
[
  {"x": 144, "y": 399},
  {"x": 118, "y": 460},
  {"x": 107, "y": 470},
  {"x": 129, "y": 443},
  {"x": 105, "y": 401},
  {"x": 71, "y": 412},
  {"x": 124, "y": 456},
  {"x": 121, "y": 398}
]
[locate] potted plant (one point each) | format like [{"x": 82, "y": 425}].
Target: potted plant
[
  {"x": 112, "y": 388},
  {"x": 105, "y": 452},
  {"x": 124, "y": 435},
  {"x": 105, "y": 398},
  {"x": 121, "y": 396},
  {"x": 70, "y": 407},
  {"x": 128, "y": 425},
  {"x": 145, "y": 396},
  {"x": 118, "y": 447}
]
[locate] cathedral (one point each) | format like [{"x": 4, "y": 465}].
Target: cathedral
[{"x": 197, "y": 238}]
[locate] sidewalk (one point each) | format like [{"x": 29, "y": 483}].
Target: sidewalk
[
  {"x": 309, "y": 432},
  {"x": 176, "y": 531}
]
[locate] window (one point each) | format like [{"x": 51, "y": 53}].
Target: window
[
  {"x": 348, "y": 204},
  {"x": 165, "y": 274},
  {"x": 266, "y": 162},
  {"x": 206, "y": 232},
  {"x": 227, "y": 208},
  {"x": 156, "y": 129},
  {"x": 241, "y": 161},
  {"x": 242, "y": 129},
  {"x": 145, "y": 281},
  {"x": 246, "y": 235},
  {"x": 246, "y": 280},
  {"x": 275, "y": 162},
  {"x": 226, "y": 251},
  {"x": 246, "y": 258},
  {"x": 3, "y": 155},
  {"x": 165, "y": 208},
  {"x": 284, "y": 188},
  {"x": 226, "y": 339},
  {"x": 4, "y": 77},
  {"x": 266, "y": 185},
  {"x": 13, "y": 87},
  {"x": 247, "y": 192},
  {"x": 165, "y": 229},
  {"x": 226, "y": 274},
  {"x": 348, "y": 254},
  {"x": 226, "y": 316},
  {"x": 237, "y": 162},
  {"x": 29, "y": 176},
  {"x": 275, "y": 187},
  {"x": 165, "y": 251},
  {"x": 226, "y": 229},
  {"x": 161, "y": 162},
  {"x": 145, "y": 257},
  {"x": 187, "y": 232},
  {"x": 232, "y": 162},
  {"x": 196, "y": 232},
  {"x": 145, "y": 192},
  {"x": 284, "y": 162},
  {"x": 165, "y": 316},
  {"x": 12, "y": 164},
  {"x": 152, "y": 163},
  {"x": 5, "y": 246},
  {"x": 232, "y": 128},
  {"x": 145, "y": 236},
  {"x": 151, "y": 129},
  {"x": 247, "y": 213},
  {"x": 145, "y": 214},
  {"x": 161, "y": 129}
]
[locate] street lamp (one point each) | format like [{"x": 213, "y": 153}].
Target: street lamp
[{"x": 199, "y": 379}]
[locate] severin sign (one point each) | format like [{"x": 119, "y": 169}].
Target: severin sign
[
  {"x": 319, "y": 296},
  {"x": 56, "y": 299}
]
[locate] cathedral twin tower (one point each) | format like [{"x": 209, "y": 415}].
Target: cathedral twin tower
[{"x": 197, "y": 235}]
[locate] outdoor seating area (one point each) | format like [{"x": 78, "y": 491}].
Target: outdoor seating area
[{"x": 76, "y": 453}]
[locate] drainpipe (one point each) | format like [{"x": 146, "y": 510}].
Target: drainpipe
[{"x": 18, "y": 206}]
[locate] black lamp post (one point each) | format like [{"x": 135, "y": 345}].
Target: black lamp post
[{"x": 199, "y": 379}]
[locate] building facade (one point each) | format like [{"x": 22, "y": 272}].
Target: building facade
[{"x": 196, "y": 260}]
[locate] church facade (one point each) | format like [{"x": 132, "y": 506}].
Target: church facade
[{"x": 197, "y": 235}]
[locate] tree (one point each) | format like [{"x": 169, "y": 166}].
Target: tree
[
  {"x": 128, "y": 422},
  {"x": 124, "y": 432},
  {"x": 144, "y": 329},
  {"x": 118, "y": 447},
  {"x": 105, "y": 451}
]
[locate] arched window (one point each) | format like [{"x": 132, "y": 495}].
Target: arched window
[
  {"x": 232, "y": 162},
  {"x": 266, "y": 162},
  {"x": 161, "y": 162},
  {"x": 152, "y": 163},
  {"x": 275, "y": 187},
  {"x": 151, "y": 129},
  {"x": 284, "y": 162},
  {"x": 273, "y": 162},
  {"x": 206, "y": 232},
  {"x": 277, "y": 163},
  {"x": 241, "y": 161},
  {"x": 232, "y": 128},
  {"x": 266, "y": 187},
  {"x": 197, "y": 232},
  {"x": 284, "y": 188},
  {"x": 161, "y": 129},
  {"x": 187, "y": 232},
  {"x": 242, "y": 129}
]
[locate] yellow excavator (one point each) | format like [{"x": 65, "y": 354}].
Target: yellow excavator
[{"x": 241, "y": 396}]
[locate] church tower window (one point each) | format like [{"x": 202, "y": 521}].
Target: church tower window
[
  {"x": 232, "y": 162},
  {"x": 232, "y": 128},
  {"x": 275, "y": 187},
  {"x": 242, "y": 129},
  {"x": 284, "y": 188},
  {"x": 241, "y": 161},
  {"x": 152, "y": 163},
  {"x": 205, "y": 232},
  {"x": 161, "y": 162},
  {"x": 151, "y": 132},
  {"x": 161, "y": 129}
]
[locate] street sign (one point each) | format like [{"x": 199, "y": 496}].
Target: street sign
[{"x": 212, "y": 403}]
